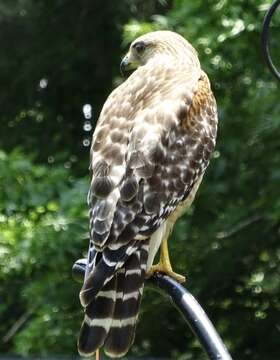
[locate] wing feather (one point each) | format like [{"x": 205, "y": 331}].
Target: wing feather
[
  {"x": 152, "y": 144},
  {"x": 167, "y": 148}
]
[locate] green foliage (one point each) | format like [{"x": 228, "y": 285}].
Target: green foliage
[
  {"x": 228, "y": 243},
  {"x": 43, "y": 228}
]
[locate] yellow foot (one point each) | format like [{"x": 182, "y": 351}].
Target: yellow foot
[{"x": 166, "y": 270}]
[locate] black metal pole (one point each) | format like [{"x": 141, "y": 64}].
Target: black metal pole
[
  {"x": 265, "y": 39},
  {"x": 187, "y": 305},
  {"x": 195, "y": 316}
]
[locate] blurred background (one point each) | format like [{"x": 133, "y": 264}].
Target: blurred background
[{"x": 59, "y": 61}]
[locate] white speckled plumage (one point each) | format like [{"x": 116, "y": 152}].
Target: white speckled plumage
[{"x": 150, "y": 149}]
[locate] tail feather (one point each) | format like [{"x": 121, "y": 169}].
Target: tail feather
[
  {"x": 110, "y": 318},
  {"x": 103, "y": 271},
  {"x": 122, "y": 332},
  {"x": 98, "y": 319}
]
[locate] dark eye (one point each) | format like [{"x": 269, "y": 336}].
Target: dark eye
[{"x": 139, "y": 47}]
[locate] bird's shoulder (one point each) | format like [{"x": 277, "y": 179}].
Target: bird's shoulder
[{"x": 149, "y": 86}]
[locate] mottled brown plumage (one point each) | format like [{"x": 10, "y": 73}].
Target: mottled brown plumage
[{"x": 150, "y": 149}]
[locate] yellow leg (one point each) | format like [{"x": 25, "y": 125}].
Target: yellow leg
[
  {"x": 97, "y": 355},
  {"x": 164, "y": 264}
]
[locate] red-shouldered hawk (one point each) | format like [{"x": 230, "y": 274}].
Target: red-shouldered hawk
[{"x": 150, "y": 149}]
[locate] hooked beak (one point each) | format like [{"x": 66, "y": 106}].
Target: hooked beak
[{"x": 127, "y": 66}]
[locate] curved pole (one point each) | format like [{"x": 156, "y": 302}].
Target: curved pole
[
  {"x": 189, "y": 307},
  {"x": 195, "y": 316},
  {"x": 265, "y": 38}
]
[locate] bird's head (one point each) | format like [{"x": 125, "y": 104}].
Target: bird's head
[{"x": 158, "y": 43}]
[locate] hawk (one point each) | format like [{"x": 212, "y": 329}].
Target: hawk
[{"x": 150, "y": 149}]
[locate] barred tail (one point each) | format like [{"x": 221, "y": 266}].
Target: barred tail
[
  {"x": 110, "y": 318},
  {"x": 97, "y": 320}
]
